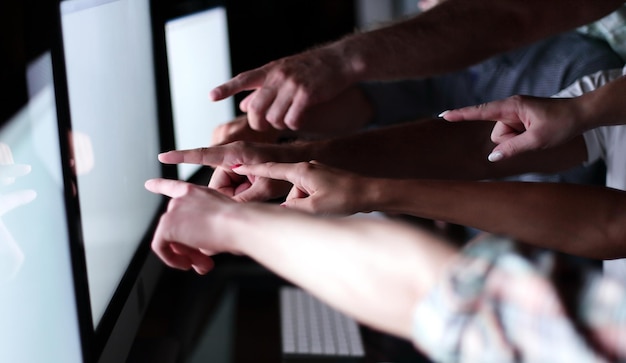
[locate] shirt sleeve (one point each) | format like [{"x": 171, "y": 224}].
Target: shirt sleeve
[
  {"x": 593, "y": 138},
  {"x": 498, "y": 304}
]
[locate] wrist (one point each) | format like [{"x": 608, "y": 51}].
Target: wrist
[
  {"x": 234, "y": 226},
  {"x": 350, "y": 51},
  {"x": 378, "y": 195},
  {"x": 585, "y": 112}
]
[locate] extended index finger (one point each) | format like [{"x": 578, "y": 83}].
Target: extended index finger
[
  {"x": 168, "y": 187},
  {"x": 211, "y": 156},
  {"x": 242, "y": 82},
  {"x": 278, "y": 171},
  {"x": 486, "y": 111}
]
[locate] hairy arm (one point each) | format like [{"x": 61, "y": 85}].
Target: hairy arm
[{"x": 445, "y": 38}]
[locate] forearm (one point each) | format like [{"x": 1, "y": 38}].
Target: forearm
[
  {"x": 581, "y": 220},
  {"x": 385, "y": 267},
  {"x": 445, "y": 38},
  {"x": 434, "y": 149}
]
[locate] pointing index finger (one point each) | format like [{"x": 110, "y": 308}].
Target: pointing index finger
[
  {"x": 242, "y": 82},
  {"x": 487, "y": 111},
  {"x": 278, "y": 171},
  {"x": 204, "y": 156},
  {"x": 168, "y": 187}
]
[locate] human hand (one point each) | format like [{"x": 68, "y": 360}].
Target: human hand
[
  {"x": 524, "y": 123},
  {"x": 285, "y": 88},
  {"x": 189, "y": 232},
  {"x": 224, "y": 157},
  {"x": 239, "y": 130},
  {"x": 316, "y": 188}
]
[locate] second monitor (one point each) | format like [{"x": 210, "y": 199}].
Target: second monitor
[{"x": 198, "y": 59}]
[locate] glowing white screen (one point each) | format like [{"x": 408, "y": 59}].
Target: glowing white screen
[
  {"x": 38, "y": 317},
  {"x": 110, "y": 72},
  {"x": 198, "y": 60}
]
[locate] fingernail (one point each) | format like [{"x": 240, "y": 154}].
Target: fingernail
[
  {"x": 199, "y": 270},
  {"x": 443, "y": 113},
  {"x": 495, "y": 156},
  {"x": 235, "y": 166}
]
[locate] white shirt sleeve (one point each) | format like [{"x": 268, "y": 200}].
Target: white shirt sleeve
[{"x": 593, "y": 138}]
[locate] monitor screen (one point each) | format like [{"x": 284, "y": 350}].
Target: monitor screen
[
  {"x": 38, "y": 310},
  {"x": 115, "y": 133},
  {"x": 198, "y": 59}
]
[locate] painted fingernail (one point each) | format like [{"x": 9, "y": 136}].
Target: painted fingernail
[
  {"x": 495, "y": 156},
  {"x": 443, "y": 113},
  {"x": 235, "y": 166}
]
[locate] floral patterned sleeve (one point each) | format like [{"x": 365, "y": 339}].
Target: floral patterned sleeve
[{"x": 504, "y": 302}]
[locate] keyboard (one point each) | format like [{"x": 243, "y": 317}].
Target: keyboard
[{"x": 312, "y": 330}]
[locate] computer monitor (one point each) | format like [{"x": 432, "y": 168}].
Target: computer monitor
[
  {"x": 111, "y": 87},
  {"x": 198, "y": 59},
  {"x": 39, "y": 314}
]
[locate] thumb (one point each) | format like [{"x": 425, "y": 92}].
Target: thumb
[
  {"x": 301, "y": 204},
  {"x": 255, "y": 193},
  {"x": 513, "y": 146}
]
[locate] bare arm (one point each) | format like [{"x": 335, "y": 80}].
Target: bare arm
[
  {"x": 436, "y": 41},
  {"x": 355, "y": 267},
  {"x": 432, "y": 149},
  {"x": 433, "y": 42},
  {"x": 581, "y": 220},
  {"x": 436, "y": 149}
]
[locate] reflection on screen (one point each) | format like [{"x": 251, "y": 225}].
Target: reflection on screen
[
  {"x": 198, "y": 60},
  {"x": 110, "y": 71},
  {"x": 38, "y": 318}
]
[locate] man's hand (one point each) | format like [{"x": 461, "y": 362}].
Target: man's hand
[
  {"x": 239, "y": 130},
  {"x": 284, "y": 89}
]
